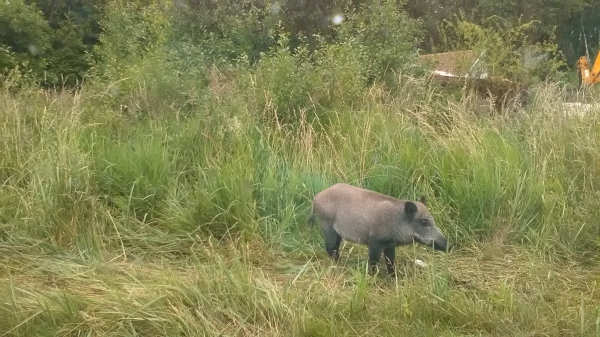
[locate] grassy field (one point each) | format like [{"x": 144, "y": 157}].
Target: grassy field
[{"x": 146, "y": 216}]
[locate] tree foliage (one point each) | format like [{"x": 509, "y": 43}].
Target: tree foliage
[
  {"x": 507, "y": 49},
  {"x": 24, "y": 38},
  {"x": 383, "y": 37},
  {"x": 58, "y": 42},
  {"x": 565, "y": 21}
]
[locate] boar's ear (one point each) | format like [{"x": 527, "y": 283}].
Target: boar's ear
[
  {"x": 410, "y": 209},
  {"x": 423, "y": 200}
]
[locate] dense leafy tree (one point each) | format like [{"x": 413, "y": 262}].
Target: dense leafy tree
[
  {"x": 568, "y": 20},
  {"x": 52, "y": 41},
  {"x": 580, "y": 33},
  {"x": 24, "y": 38},
  {"x": 48, "y": 40},
  {"x": 432, "y": 12}
]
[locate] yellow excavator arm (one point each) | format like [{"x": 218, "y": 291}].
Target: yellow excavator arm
[{"x": 587, "y": 75}]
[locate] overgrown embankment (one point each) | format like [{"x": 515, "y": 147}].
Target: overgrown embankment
[{"x": 169, "y": 195}]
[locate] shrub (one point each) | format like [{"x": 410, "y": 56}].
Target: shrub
[
  {"x": 509, "y": 52},
  {"x": 47, "y": 48},
  {"x": 383, "y": 38},
  {"x": 130, "y": 31},
  {"x": 25, "y": 38},
  {"x": 225, "y": 32}
]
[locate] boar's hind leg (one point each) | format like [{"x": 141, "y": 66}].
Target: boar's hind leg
[
  {"x": 332, "y": 244},
  {"x": 374, "y": 256}
]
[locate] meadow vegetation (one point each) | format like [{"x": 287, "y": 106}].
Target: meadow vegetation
[{"x": 168, "y": 194}]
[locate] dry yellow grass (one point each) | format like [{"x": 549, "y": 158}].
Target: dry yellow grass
[{"x": 483, "y": 289}]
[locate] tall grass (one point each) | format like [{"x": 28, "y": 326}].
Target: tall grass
[{"x": 191, "y": 219}]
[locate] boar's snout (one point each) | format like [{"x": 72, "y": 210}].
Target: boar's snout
[{"x": 442, "y": 244}]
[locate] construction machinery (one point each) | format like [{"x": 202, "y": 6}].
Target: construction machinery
[{"x": 587, "y": 75}]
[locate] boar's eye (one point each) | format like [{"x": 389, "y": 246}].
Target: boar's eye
[{"x": 424, "y": 222}]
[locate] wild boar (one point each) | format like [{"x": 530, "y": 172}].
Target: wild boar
[{"x": 374, "y": 219}]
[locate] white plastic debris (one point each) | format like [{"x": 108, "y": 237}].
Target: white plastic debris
[{"x": 420, "y": 263}]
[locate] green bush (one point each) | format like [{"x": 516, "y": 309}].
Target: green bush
[
  {"x": 226, "y": 32},
  {"x": 294, "y": 85},
  {"x": 130, "y": 31},
  {"x": 25, "y": 39},
  {"x": 509, "y": 52},
  {"x": 285, "y": 82},
  {"x": 384, "y": 38},
  {"x": 47, "y": 53},
  {"x": 137, "y": 65},
  {"x": 68, "y": 61}
]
